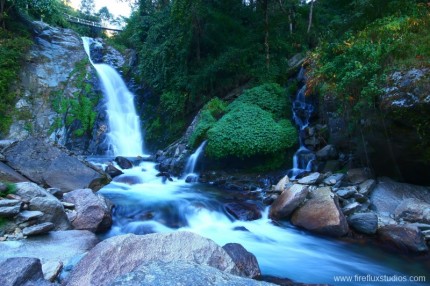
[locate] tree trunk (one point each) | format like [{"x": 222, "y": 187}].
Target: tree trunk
[
  {"x": 310, "y": 16},
  {"x": 266, "y": 33}
]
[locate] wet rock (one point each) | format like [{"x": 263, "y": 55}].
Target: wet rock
[
  {"x": 328, "y": 152},
  {"x": 38, "y": 229},
  {"x": 41, "y": 200},
  {"x": 364, "y": 222},
  {"x": 388, "y": 195},
  {"x": 288, "y": 201},
  {"x": 284, "y": 281},
  {"x": 360, "y": 198},
  {"x": 243, "y": 211},
  {"x": 128, "y": 179},
  {"x": 346, "y": 193},
  {"x": 191, "y": 178},
  {"x": 244, "y": 260},
  {"x": 25, "y": 216},
  {"x": 56, "y": 192},
  {"x": 270, "y": 199},
  {"x": 358, "y": 176},
  {"x": 50, "y": 166},
  {"x": 113, "y": 171},
  {"x": 93, "y": 212},
  {"x": 126, "y": 252},
  {"x": 7, "y": 174},
  {"x": 310, "y": 179},
  {"x": 282, "y": 184},
  {"x": 21, "y": 271},
  {"x": 9, "y": 208},
  {"x": 405, "y": 238},
  {"x": 123, "y": 162},
  {"x": 321, "y": 214},
  {"x": 366, "y": 187},
  {"x": 54, "y": 246},
  {"x": 334, "y": 179},
  {"x": 51, "y": 270},
  {"x": 181, "y": 273},
  {"x": 351, "y": 208},
  {"x": 413, "y": 210}
]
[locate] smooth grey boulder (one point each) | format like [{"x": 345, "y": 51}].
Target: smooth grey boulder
[
  {"x": 93, "y": 211},
  {"x": 26, "y": 216},
  {"x": 388, "y": 195},
  {"x": 123, "y": 162},
  {"x": 364, "y": 222},
  {"x": 49, "y": 166},
  {"x": 321, "y": 214},
  {"x": 7, "y": 174},
  {"x": 288, "y": 201},
  {"x": 40, "y": 200},
  {"x": 244, "y": 260},
  {"x": 346, "y": 193},
  {"x": 366, "y": 187},
  {"x": 181, "y": 273},
  {"x": 119, "y": 255},
  {"x": 310, "y": 179},
  {"x": 9, "y": 208},
  {"x": 38, "y": 229},
  {"x": 358, "y": 175},
  {"x": 21, "y": 271}
]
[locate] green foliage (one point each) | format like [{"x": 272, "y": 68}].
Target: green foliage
[
  {"x": 248, "y": 130},
  {"x": 270, "y": 97},
  {"x": 211, "y": 112},
  {"x": 10, "y": 189},
  {"x": 12, "y": 50},
  {"x": 78, "y": 109}
]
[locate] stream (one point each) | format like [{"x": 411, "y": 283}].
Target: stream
[{"x": 282, "y": 250}]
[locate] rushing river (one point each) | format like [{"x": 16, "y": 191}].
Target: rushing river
[{"x": 149, "y": 206}]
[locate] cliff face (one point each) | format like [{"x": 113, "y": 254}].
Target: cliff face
[
  {"x": 47, "y": 70},
  {"x": 59, "y": 93}
]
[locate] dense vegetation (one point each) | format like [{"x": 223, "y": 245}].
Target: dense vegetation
[{"x": 231, "y": 57}]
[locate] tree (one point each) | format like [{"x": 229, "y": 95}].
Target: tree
[
  {"x": 104, "y": 14},
  {"x": 87, "y": 7}
]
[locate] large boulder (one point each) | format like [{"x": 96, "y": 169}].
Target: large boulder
[
  {"x": 388, "y": 195},
  {"x": 364, "y": 222},
  {"x": 181, "y": 273},
  {"x": 50, "y": 166},
  {"x": 244, "y": 260},
  {"x": 93, "y": 211},
  {"x": 7, "y": 174},
  {"x": 288, "y": 201},
  {"x": 321, "y": 214},
  {"x": 41, "y": 200},
  {"x": 243, "y": 211},
  {"x": 122, "y": 254},
  {"x": 406, "y": 238},
  {"x": 23, "y": 271}
]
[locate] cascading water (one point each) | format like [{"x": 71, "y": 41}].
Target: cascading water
[
  {"x": 302, "y": 111},
  {"x": 125, "y": 136},
  {"x": 191, "y": 163}
]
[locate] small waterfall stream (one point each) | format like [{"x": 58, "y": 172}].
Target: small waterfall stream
[
  {"x": 191, "y": 163},
  {"x": 302, "y": 112},
  {"x": 125, "y": 135}
]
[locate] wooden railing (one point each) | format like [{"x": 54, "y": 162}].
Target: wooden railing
[{"x": 84, "y": 22}]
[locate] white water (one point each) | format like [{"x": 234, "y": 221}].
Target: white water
[
  {"x": 283, "y": 251},
  {"x": 125, "y": 135},
  {"x": 192, "y": 161},
  {"x": 302, "y": 111}
]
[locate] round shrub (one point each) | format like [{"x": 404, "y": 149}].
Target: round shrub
[
  {"x": 270, "y": 97},
  {"x": 247, "y": 130}
]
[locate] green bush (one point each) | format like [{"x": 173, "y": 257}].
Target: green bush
[
  {"x": 211, "y": 112},
  {"x": 247, "y": 130},
  {"x": 270, "y": 97}
]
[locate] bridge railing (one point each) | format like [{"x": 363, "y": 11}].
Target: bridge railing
[{"x": 85, "y": 22}]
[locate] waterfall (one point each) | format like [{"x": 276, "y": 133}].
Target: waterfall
[
  {"x": 125, "y": 136},
  {"x": 191, "y": 163},
  {"x": 302, "y": 111}
]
